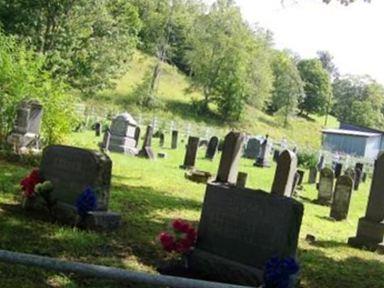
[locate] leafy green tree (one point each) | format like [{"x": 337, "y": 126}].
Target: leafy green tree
[
  {"x": 353, "y": 94},
  {"x": 86, "y": 43},
  {"x": 317, "y": 87},
  {"x": 223, "y": 51},
  {"x": 22, "y": 77},
  {"x": 287, "y": 86}
]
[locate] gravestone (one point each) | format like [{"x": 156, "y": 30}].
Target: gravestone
[
  {"x": 321, "y": 163},
  {"x": 252, "y": 149},
  {"x": 161, "y": 139},
  {"x": 301, "y": 177},
  {"x": 338, "y": 169},
  {"x": 203, "y": 143},
  {"x": 212, "y": 148},
  {"x": 341, "y": 198},
  {"x": 71, "y": 170},
  {"x": 359, "y": 170},
  {"x": 230, "y": 157},
  {"x": 364, "y": 177},
  {"x": 137, "y": 135},
  {"x": 191, "y": 153},
  {"x": 241, "y": 180},
  {"x": 221, "y": 145},
  {"x": 295, "y": 185},
  {"x": 327, "y": 178},
  {"x": 285, "y": 174},
  {"x": 370, "y": 231},
  {"x": 312, "y": 175},
  {"x": 240, "y": 230},
  {"x": 146, "y": 150},
  {"x": 351, "y": 173},
  {"x": 276, "y": 155},
  {"x": 122, "y": 135},
  {"x": 98, "y": 129},
  {"x": 26, "y": 129},
  {"x": 175, "y": 136},
  {"x": 262, "y": 158}
]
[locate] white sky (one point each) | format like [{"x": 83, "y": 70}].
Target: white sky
[{"x": 354, "y": 35}]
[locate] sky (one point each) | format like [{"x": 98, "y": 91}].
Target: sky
[{"x": 354, "y": 35}]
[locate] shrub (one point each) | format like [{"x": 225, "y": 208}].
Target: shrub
[{"x": 306, "y": 159}]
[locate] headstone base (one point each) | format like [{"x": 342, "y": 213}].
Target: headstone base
[
  {"x": 217, "y": 268},
  {"x": 261, "y": 163},
  {"x": 198, "y": 176},
  {"x": 322, "y": 202},
  {"x": 369, "y": 235},
  {"x": 147, "y": 153}
]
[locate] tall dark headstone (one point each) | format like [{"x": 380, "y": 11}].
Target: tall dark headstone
[
  {"x": 191, "y": 153},
  {"x": 175, "y": 136},
  {"x": 370, "y": 230},
  {"x": 241, "y": 229},
  {"x": 230, "y": 157},
  {"x": 97, "y": 129},
  {"x": 146, "y": 150},
  {"x": 161, "y": 139},
  {"x": 301, "y": 178},
  {"x": 326, "y": 183},
  {"x": 338, "y": 169},
  {"x": 212, "y": 148},
  {"x": 341, "y": 198},
  {"x": 285, "y": 174},
  {"x": 312, "y": 177},
  {"x": 359, "y": 170}
]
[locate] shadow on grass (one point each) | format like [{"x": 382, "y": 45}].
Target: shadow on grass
[
  {"x": 318, "y": 270},
  {"x": 329, "y": 244}
]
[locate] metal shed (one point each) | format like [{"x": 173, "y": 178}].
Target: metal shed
[{"x": 352, "y": 142}]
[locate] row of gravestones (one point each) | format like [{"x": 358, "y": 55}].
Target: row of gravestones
[
  {"x": 235, "y": 231},
  {"x": 339, "y": 195}
]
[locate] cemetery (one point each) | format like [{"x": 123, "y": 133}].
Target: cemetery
[{"x": 173, "y": 143}]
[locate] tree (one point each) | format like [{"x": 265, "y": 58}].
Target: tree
[
  {"x": 326, "y": 60},
  {"x": 223, "y": 51},
  {"x": 317, "y": 87},
  {"x": 22, "y": 77},
  {"x": 287, "y": 86},
  {"x": 86, "y": 43},
  {"x": 352, "y": 95}
]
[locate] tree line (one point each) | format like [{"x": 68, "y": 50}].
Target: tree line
[{"x": 85, "y": 45}]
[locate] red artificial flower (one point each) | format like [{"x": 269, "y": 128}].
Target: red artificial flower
[
  {"x": 181, "y": 240},
  {"x": 28, "y": 183}
]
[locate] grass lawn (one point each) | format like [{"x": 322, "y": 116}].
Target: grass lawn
[{"x": 149, "y": 195}]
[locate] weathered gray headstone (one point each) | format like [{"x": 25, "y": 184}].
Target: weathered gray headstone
[
  {"x": 252, "y": 149},
  {"x": 212, "y": 148},
  {"x": 370, "y": 231},
  {"x": 265, "y": 150},
  {"x": 241, "y": 229},
  {"x": 175, "y": 135},
  {"x": 230, "y": 157},
  {"x": 312, "y": 178},
  {"x": 191, "y": 153},
  {"x": 341, "y": 198},
  {"x": 26, "y": 131},
  {"x": 359, "y": 170},
  {"x": 71, "y": 170},
  {"x": 146, "y": 151},
  {"x": 122, "y": 135},
  {"x": 295, "y": 185},
  {"x": 285, "y": 174},
  {"x": 327, "y": 178}
]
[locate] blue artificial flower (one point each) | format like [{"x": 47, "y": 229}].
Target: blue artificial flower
[
  {"x": 86, "y": 202},
  {"x": 278, "y": 273}
]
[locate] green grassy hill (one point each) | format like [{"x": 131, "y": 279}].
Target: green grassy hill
[{"x": 176, "y": 105}]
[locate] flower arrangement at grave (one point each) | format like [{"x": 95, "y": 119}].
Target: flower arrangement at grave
[
  {"x": 280, "y": 273},
  {"x": 29, "y": 183},
  {"x": 86, "y": 202},
  {"x": 179, "y": 239},
  {"x": 44, "y": 190}
]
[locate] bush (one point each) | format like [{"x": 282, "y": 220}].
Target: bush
[
  {"x": 306, "y": 159},
  {"x": 23, "y": 78}
]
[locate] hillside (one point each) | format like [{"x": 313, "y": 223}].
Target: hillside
[{"x": 176, "y": 105}]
